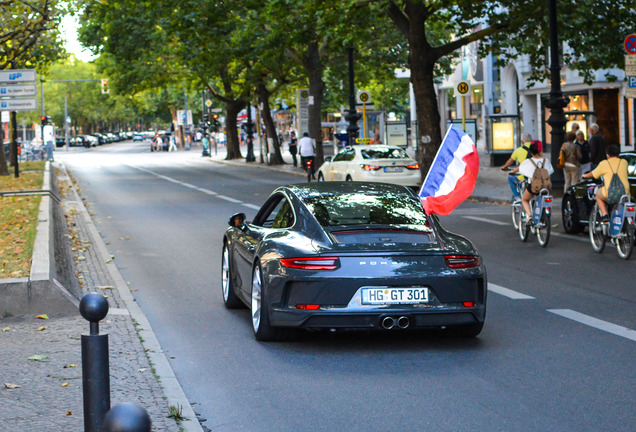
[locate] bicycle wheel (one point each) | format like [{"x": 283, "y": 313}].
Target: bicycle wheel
[
  {"x": 625, "y": 241},
  {"x": 597, "y": 237},
  {"x": 516, "y": 213},
  {"x": 543, "y": 229},
  {"x": 524, "y": 229}
]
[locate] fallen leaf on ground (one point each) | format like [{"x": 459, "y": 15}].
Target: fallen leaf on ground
[
  {"x": 69, "y": 413},
  {"x": 42, "y": 328},
  {"x": 65, "y": 384},
  {"x": 11, "y": 386},
  {"x": 38, "y": 357},
  {"x": 6, "y": 329},
  {"x": 43, "y": 316}
]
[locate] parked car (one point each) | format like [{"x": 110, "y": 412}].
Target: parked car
[
  {"x": 578, "y": 201},
  {"x": 60, "y": 141},
  {"x": 79, "y": 141},
  {"x": 345, "y": 255},
  {"x": 101, "y": 139},
  {"x": 374, "y": 163},
  {"x": 138, "y": 137}
]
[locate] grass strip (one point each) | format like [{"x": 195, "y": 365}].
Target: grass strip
[{"x": 19, "y": 220}]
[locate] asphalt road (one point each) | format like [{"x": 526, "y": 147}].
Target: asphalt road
[{"x": 557, "y": 352}]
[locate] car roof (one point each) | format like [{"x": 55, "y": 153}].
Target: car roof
[{"x": 310, "y": 190}]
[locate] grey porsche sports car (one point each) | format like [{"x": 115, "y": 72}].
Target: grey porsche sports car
[{"x": 351, "y": 255}]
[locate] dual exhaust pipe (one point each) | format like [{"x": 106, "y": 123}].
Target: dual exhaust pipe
[{"x": 389, "y": 322}]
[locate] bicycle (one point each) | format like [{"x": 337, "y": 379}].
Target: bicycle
[
  {"x": 309, "y": 168},
  {"x": 541, "y": 206},
  {"x": 515, "y": 204},
  {"x": 620, "y": 228}
]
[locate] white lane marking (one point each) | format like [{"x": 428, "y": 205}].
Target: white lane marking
[
  {"x": 506, "y": 292},
  {"x": 480, "y": 219},
  {"x": 197, "y": 188},
  {"x": 596, "y": 323},
  {"x": 227, "y": 198}
]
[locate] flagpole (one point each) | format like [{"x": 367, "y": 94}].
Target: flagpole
[{"x": 436, "y": 154}]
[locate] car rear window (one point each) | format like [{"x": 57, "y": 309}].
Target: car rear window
[
  {"x": 388, "y": 153},
  {"x": 380, "y": 207}
]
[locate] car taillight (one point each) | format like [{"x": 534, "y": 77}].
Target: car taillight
[
  {"x": 469, "y": 304},
  {"x": 313, "y": 263},
  {"x": 370, "y": 167},
  {"x": 462, "y": 261},
  {"x": 308, "y": 306},
  {"x": 413, "y": 167}
]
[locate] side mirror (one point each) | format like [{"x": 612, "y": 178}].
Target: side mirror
[
  {"x": 237, "y": 220},
  {"x": 328, "y": 159}
]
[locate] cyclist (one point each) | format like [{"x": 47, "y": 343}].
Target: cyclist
[
  {"x": 519, "y": 155},
  {"x": 613, "y": 164},
  {"x": 527, "y": 168},
  {"x": 307, "y": 152}
]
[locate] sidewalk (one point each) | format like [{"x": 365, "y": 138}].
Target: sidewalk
[{"x": 41, "y": 381}]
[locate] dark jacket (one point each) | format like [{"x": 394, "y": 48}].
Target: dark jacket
[{"x": 597, "y": 148}]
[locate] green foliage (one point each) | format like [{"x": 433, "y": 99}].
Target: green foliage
[{"x": 29, "y": 35}]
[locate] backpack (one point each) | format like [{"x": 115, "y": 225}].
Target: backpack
[
  {"x": 616, "y": 189},
  {"x": 540, "y": 178}
]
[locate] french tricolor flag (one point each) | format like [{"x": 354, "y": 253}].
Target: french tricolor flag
[{"x": 452, "y": 176}]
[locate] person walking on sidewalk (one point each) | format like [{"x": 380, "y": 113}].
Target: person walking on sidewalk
[
  {"x": 585, "y": 152},
  {"x": 307, "y": 152},
  {"x": 293, "y": 147},
  {"x": 572, "y": 168},
  {"x": 597, "y": 146}
]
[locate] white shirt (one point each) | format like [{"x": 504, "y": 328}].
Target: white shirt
[
  {"x": 527, "y": 168},
  {"x": 306, "y": 147}
]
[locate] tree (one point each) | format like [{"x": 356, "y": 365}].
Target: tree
[
  {"x": 509, "y": 28},
  {"x": 29, "y": 38}
]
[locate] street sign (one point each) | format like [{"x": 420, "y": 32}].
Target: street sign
[
  {"x": 630, "y": 65},
  {"x": 463, "y": 87},
  {"x": 630, "y": 92},
  {"x": 363, "y": 140},
  {"x": 208, "y": 103},
  {"x": 26, "y": 104},
  {"x": 630, "y": 44},
  {"x": 17, "y": 75},
  {"x": 364, "y": 97},
  {"x": 16, "y": 90}
]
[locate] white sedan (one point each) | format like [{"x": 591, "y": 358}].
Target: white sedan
[{"x": 373, "y": 163}]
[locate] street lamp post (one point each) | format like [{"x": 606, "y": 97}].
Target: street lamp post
[
  {"x": 556, "y": 102},
  {"x": 250, "y": 135},
  {"x": 352, "y": 116}
]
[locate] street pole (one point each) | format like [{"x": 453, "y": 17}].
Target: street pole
[
  {"x": 185, "y": 125},
  {"x": 66, "y": 122},
  {"x": 250, "y": 135},
  {"x": 352, "y": 116},
  {"x": 556, "y": 101}
]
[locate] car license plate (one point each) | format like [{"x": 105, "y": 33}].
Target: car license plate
[
  {"x": 392, "y": 169},
  {"x": 382, "y": 296}
]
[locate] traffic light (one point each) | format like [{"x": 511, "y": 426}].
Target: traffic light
[
  {"x": 215, "y": 122},
  {"x": 105, "y": 89},
  {"x": 45, "y": 120},
  {"x": 206, "y": 119}
]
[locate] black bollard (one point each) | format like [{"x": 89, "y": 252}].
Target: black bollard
[
  {"x": 95, "y": 367},
  {"x": 127, "y": 417}
]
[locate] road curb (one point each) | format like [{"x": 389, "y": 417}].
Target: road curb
[{"x": 172, "y": 390}]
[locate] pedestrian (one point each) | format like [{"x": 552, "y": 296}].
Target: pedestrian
[
  {"x": 49, "y": 149},
  {"x": 598, "y": 146},
  {"x": 173, "y": 143},
  {"x": 307, "y": 151},
  {"x": 585, "y": 152},
  {"x": 572, "y": 168},
  {"x": 575, "y": 128},
  {"x": 293, "y": 147}
]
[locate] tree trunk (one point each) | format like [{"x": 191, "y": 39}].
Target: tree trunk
[
  {"x": 276, "y": 158},
  {"x": 4, "y": 169},
  {"x": 314, "y": 68},
  {"x": 232, "y": 143}
]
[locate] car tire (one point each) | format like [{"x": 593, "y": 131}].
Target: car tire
[
  {"x": 263, "y": 330},
  {"x": 570, "y": 215},
  {"x": 230, "y": 299}
]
